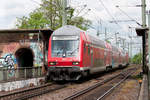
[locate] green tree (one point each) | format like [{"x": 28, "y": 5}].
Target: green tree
[
  {"x": 35, "y": 21},
  {"x": 137, "y": 59},
  {"x": 80, "y": 22},
  {"x": 49, "y": 15}
]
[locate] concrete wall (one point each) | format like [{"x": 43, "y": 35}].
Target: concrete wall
[{"x": 20, "y": 84}]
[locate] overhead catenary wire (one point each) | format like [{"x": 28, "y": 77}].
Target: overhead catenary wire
[
  {"x": 133, "y": 20},
  {"x": 115, "y": 21},
  {"x": 99, "y": 22},
  {"x": 128, "y": 16},
  {"x": 35, "y": 2},
  {"x": 109, "y": 13},
  {"x": 97, "y": 18},
  {"x": 84, "y": 6}
]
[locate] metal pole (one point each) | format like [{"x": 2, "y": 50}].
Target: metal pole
[
  {"x": 143, "y": 13},
  {"x": 118, "y": 43},
  {"x": 143, "y": 37},
  {"x": 131, "y": 44},
  {"x": 131, "y": 48},
  {"x": 98, "y": 32},
  {"x": 144, "y": 57},
  {"x": 101, "y": 30},
  {"x": 123, "y": 44},
  {"x": 149, "y": 51},
  {"x": 128, "y": 48},
  {"x": 116, "y": 38},
  {"x": 105, "y": 33},
  {"x": 64, "y": 16}
]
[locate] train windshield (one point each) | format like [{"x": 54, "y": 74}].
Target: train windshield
[{"x": 65, "y": 47}]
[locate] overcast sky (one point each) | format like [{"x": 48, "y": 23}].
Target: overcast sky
[{"x": 11, "y": 9}]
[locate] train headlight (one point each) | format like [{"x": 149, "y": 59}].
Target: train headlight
[
  {"x": 52, "y": 63},
  {"x": 75, "y": 63}
]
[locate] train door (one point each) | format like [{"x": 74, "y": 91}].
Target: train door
[
  {"x": 90, "y": 53},
  {"x": 120, "y": 59},
  {"x": 109, "y": 57},
  {"x": 105, "y": 55},
  {"x": 92, "y": 59},
  {"x": 112, "y": 56},
  {"x": 106, "y": 58}
]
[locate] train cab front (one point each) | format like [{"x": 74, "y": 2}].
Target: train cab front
[{"x": 64, "y": 58}]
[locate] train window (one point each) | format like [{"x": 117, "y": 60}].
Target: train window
[
  {"x": 69, "y": 48},
  {"x": 91, "y": 51},
  {"x": 105, "y": 53},
  {"x": 88, "y": 49},
  {"x": 84, "y": 47}
]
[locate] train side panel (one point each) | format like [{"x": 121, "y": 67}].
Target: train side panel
[{"x": 93, "y": 55}]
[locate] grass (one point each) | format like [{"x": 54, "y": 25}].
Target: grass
[
  {"x": 128, "y": 86},
  {"x": 137, "y": 77}
]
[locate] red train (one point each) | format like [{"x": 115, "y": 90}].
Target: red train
[{"x": 74, "y": 54}]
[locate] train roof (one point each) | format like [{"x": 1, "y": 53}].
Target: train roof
[
  {"x": 67, "y": 30},
  {"x": 96, "y": 41},
  {"x": 73, "y": 30}
]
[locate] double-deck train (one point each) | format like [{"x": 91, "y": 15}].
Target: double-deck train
[{"x": 73, "y": 54}]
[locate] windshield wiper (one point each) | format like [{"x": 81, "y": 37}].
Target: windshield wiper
[
  {"x": 59, "y": 51},
  {"x": 74, "y": 50}
]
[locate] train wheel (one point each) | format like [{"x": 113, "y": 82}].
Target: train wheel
[
  {"x": 120, "y": 66},
  {"x": 88, "y": 73},
  {"x": 47, "y": 78},
  {"x": 108, "y": 68}
]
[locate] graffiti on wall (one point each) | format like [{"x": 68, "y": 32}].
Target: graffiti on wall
[
  {"x": 8, "y": 61},
  {"x": 1, "y": 62},
  {"x": 37, "y": 49}
]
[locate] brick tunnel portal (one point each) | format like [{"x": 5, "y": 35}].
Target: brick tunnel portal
[{"x": 24, "y": 57}]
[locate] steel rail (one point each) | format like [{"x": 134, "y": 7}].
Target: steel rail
[
  {"x": 30, "y": 92},
  {"x": 94, "y": 86},
  {"x": 37, "y": 93},
  {"x": 31, "y": 88},
  {"x": 116, "y": 85},
  {"x": 90, "y": 88}
]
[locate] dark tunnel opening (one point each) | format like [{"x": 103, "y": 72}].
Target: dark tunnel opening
[{"x": 24, "y": 57}]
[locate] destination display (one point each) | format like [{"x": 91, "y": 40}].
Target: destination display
[{"x": 65, "y": 38}]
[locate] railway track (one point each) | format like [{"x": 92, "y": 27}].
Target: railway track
[
  {"x": 100, "y": 90},
  {"x": 31, "y": 92},
  {"x": 50, "y": 87}
]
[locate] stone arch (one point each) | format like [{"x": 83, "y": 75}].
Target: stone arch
[{"x": 24, "y": 57}]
